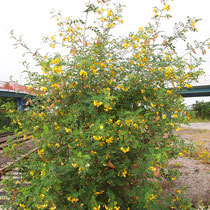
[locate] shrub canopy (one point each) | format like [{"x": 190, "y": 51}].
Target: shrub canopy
[{"x": 104, "y": 114}]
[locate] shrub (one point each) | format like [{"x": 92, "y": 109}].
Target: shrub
[
  {"x": 5, "y": 103},
  {"x": 104, "y": 115}
]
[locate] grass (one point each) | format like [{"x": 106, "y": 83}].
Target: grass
[
  {"x": 5, "y": 129},
  {"x": 199, "y": 120}
]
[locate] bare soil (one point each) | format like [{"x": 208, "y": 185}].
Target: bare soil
[{"x": 195, "y": 172}]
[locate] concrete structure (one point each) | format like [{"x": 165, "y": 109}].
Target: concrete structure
[{"x": 20, "y": 92}]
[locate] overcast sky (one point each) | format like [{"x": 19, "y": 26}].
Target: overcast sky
[{"x": 32, "y": 20}]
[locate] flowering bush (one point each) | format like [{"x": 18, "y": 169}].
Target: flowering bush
[{"x": 104, "y": 115}]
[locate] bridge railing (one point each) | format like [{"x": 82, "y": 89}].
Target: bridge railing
[{"x": 13, "y": 87}]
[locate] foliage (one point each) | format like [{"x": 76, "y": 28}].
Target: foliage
[
  {"x": 202, "y": 109},
  {"x": 5, "y": 103},
  {"x": 104, "y": 115}
]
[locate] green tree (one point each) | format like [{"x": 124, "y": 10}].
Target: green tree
[
  {"x": 202, "y": 109},
  {"x": 104, "y": 114}
]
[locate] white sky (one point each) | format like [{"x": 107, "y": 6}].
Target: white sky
[{"x": 32, "y": 19}]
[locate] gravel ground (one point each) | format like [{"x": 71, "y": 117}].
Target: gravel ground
[
  {"x": 198, "y": 126},
  {"x": 195, "y": 172}
]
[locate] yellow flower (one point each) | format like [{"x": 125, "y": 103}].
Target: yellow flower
[
  {"x": 43, "y": 173},
  {"x": 74, "y": 165},
  {"x": 179, "y": 191},
  {"x": 31, "y": 173},
  {"x": 97, "y": 104},
  {"x": 83, "y": 73},
  {"x": 125, "y": 150},
  {"x": 57, "y": 145},
  {"x": 181, "y": 154},
  {"x": 173, "y": 178},
  {"x": 109, "y": 12},
  {"x": 22, "y": 205},
  {"x": 109, "y": 140},
  {"x": 164, "y": 117},
  {"x": 192, "y": 23},
  {"x": 174, "y": 116},
  {"x": 152, "y": 105},
  {"x": 73, "y": 200},
  {"x": 188, "y": 85},
  {"x": 30, "y": 87},
  {"x": 99, "y": 193},
  {"x": 167, "y": 7},
  {"x": 152, "y": 168},
  {"x": 101, "y": 127},
  {"x": 67, "y": 130},
  {"x": 124, "y": 173},
  {"x": 40, "y": 152},
  {"x": 42, "y": 196},
  {"x": 97, "y": 138},
  {"x": 141, "y": 28},
  {"x": 172, "y": 124},
  {"x": 97, "y": 208},
  {"x": 152, "y": 197}
]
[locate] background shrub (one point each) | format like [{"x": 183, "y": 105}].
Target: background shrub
[{"x": 202, "y": 109}]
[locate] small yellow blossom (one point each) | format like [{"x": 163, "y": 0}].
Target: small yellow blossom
[
  {"x": 42, "y": 196},
  {"x": 68, "y": 130},
  {"x": 57, "y": 145},
  {"x": 73, "y": 200},
  {"x": 83, "y": 73},
  {"x": 188, "y": 85},
  {"x": 125, "y": 150},
  {"x": 31, "y": 173},
  {"x": 124, "y": 173},
  {"x": 43, "y": 173},
  {"x": 74, "y": 165},
  {"x": 164, "y": 117},
  {"x": 152, "y": 168},
  {"x": 181, "y": 154},
  {"x": 109, "y": 12},
  {"x": 97, "y": 104},
  {"x": 22, "y": 205},
  {"x": 167, "y": 7}
]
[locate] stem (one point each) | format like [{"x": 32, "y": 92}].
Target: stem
[{"x": 85, "y": 28}]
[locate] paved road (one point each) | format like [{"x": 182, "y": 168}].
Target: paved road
[{"x": 198, "y": 126}]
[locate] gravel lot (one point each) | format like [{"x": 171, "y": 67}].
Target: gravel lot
[{"x": 198, "y": 126}]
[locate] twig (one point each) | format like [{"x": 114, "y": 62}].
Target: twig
[{"x": 85, "y": 28}]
